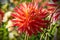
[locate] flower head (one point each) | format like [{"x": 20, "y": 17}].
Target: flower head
[{"x": 29, "y": 18}]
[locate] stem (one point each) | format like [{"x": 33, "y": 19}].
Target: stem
[
  {"x": 46, "y": 38},
  {"x": 26, "y": 37},
  {"x": 41, "y": 36},
  {"x": 58, "y": 33}
]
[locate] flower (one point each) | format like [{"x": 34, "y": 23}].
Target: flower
[
  {"x": 56, "y": 17},
  {"x": 11, "y": 35},
  {"x": 29, "y": 18},
  {"x": 1, "y": 16},
  {"x": 6, "y": 16},
  {"x": 9, "y": 26},
  {"x": 1, "y": 13}
]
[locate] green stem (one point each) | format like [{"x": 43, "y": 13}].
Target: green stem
[
  {"x": 26, "y": 37},
  {"x": 58, "y": 33},
  {"x": 41, "y": 36},
  {"x": 46, "y": 38}
]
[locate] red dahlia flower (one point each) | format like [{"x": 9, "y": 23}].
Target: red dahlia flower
[{"x": 29, "y": 18}]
